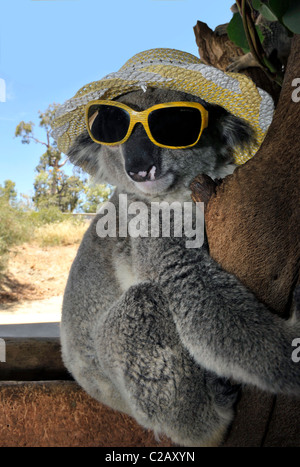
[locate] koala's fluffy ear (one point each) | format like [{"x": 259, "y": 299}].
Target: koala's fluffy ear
[
  {"x": 232, "y": 131},
  {"x": 84, "y": 153},
  {"x": 236, "y": 132}
]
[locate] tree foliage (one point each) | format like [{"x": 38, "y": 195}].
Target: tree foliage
[
  {"x": 52, "y": 186},
  {"x": 95, "y": 195},
  {"x": 8, "y": 192},
  {"x": 243, "y": 31}
]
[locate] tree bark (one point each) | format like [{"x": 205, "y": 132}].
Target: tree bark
[
  {"x": 252, "y": 225},
  {"x": 253, "y": 220},
  {"x": 219, "y": 51}
]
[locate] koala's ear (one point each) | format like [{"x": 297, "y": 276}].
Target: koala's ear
[
  {"x": 233, "y": 131},
  {"x": 237, "y": 132},
  {"x": 85, "y": 153}
]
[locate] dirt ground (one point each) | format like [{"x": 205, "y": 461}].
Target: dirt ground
[{"x": 36, "y": 273}]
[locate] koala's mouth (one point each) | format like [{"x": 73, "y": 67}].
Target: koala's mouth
[{"x": 159, "y": 185}]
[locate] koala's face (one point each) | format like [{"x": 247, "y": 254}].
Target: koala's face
[{"x": 140, "y": 166}]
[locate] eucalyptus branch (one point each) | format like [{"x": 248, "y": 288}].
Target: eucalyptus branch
[
  {"x": 36, "y": 140},
  {"x": 255, "y": 45},
  {"x": 63, "y": 163},
  {"x": 251, "y": 34}
]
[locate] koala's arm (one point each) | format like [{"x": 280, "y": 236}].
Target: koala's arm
[
  {"x": 139, "y": 350},
  {"x": 122, "y": 347},
  {"x": 225, "y": 328}
]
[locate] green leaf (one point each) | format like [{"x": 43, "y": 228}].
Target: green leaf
[
  {"x": 256, "y": 4},
  {"x": 291, "y": 18},
  {"x": 236, "y": 33},
  {"x": 279, "y": 7},
  {"x": 273, "y": 10},
  {"x": 267, "y": 13},
  {"x": 260, "y": 34}
]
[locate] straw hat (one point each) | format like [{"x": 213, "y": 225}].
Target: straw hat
[{"x": 176, "y": 70}]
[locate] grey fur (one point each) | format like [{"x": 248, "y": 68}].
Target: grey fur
[{"x": 154, "y": 329}]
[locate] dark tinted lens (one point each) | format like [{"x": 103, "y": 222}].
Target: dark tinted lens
[
  {"x": 175, "y": 126},
  {"x": 108, "y": 124}
]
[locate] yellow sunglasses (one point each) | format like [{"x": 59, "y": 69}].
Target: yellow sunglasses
[{"x": 174, "y": 125}]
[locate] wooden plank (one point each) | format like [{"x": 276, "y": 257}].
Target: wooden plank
[{"x": 30, "y": 359}]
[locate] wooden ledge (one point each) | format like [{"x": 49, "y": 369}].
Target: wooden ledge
[
  {"x": 33, "y": 359},
  {"x": 46, "y": 408},
  {"x": 61, "y": 414}
]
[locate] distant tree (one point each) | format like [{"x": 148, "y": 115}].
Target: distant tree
[
  {"x": 26, "y": 202},
  {"x": 8, "y": 192},
  {"x": 95, "y": 195},
  {"x": 52, "y": 187},
  {"x": 69, "y": 190}
]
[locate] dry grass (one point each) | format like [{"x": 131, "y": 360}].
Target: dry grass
[{"x": 63, "y": 233}]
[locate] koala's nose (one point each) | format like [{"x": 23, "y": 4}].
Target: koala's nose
[
  {"x": 143, "y": 175},
  {"x": 139, "y": 154}
]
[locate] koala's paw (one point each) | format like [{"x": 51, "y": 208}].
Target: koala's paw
[
  {"x": 225, "y": 392},
  {"x": 203, "y": 188}
]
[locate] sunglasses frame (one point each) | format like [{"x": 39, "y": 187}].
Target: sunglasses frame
[{"x": 142, "y": 117}]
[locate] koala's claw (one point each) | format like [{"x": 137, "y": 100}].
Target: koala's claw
[
  {"x": 297, "y": 303},
  {"x": 203, "y": 188},
  {"x": 225, "y": 392}
]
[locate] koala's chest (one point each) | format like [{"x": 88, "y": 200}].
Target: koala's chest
[
  {"x": 131, "y": 262},
  {"x": 124, "y": 270},
  {"x": 124, "y": 274}
]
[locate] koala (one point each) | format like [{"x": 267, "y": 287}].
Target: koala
[
  {"x": 157, "y": 330},
  {"x": 276, "y": 43}
]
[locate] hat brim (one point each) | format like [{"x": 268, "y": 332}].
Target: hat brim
[{"x": 175, "y": 70}]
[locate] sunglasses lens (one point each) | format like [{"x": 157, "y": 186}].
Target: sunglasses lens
[
  {"x": 107, "y": 123},
  {"x": 175, "y": 126}
]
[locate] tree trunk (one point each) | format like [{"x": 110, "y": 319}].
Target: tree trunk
[
  {"x": 253, "y": 231},
  {"x": 219, "y": 51}
]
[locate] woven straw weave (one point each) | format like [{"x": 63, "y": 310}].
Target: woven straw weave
[{"x": 176, "y": 70}]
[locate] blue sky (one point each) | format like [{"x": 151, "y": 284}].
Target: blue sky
[{"x": 51, "y": 48}]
